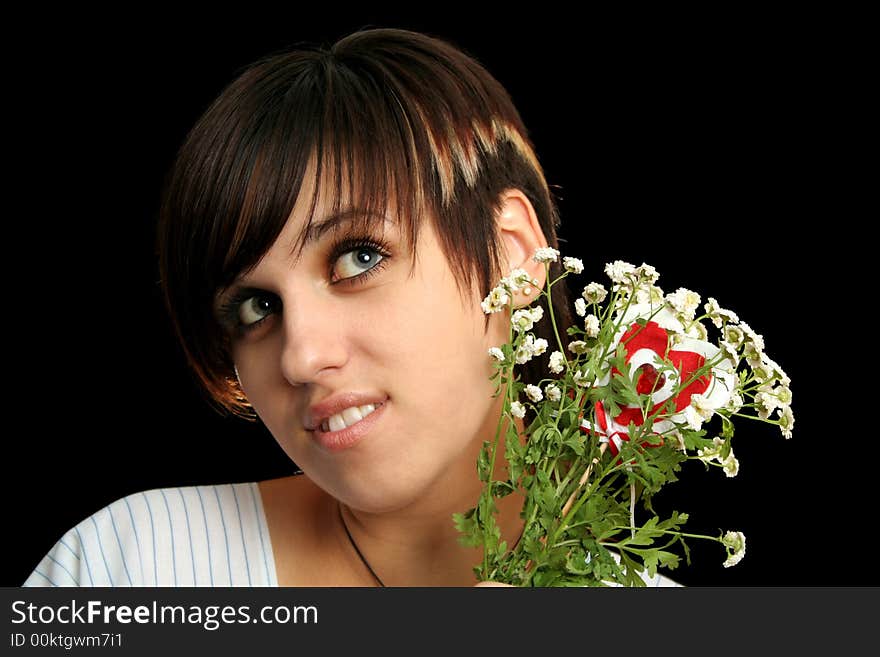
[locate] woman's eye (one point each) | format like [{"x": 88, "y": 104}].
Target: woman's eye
[
  {"x": 255, "y": 309},
  {"x": 355, "y": 262}
]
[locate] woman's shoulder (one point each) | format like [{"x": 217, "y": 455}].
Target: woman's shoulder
[
  {"x": 198, "y": 535},
  {"x": 297, "y": 512}
]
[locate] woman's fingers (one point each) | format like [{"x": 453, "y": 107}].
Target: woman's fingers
[{"x": 491, "y": 583}]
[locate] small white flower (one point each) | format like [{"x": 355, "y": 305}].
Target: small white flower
[
  {"x": 546, "y": 254},
  {"x": 534, "y": 393},
  {"x": 619, "y": 271},
  {"x": 591, "y": 326},
  {"x": 581, "y": 379},
  {"x": 778, "y": 371},
  {"x": 517, "y": 409},
  {"x": 693, "y": 418},
  {"x": 711, "y": 307},
  {"x": 711, "y": 453},
  {"x": 647, "y": 273},
  {"x": 573, "y": 265},
  {"x": 786, "y": 422},
  {"x": 649, "y": 295},
  {"x": 733, "y": 334},
  {"x": 523, "y": 354},
  {"x": 730, "y": 350},
  {"x": 577, "y": 347},
  {"x": 552, "y": 391},
  {"x": 730, "y": 465},
  {"x": 700, "y": 404},
  {"x": 525, "y": 351},
  {"x": 735, "y": 541},
  {"x": 537, "y": 314},
  {"x": 755, "y": 338},
  {"x": 496, "y": 300},
  {"x": 580, "y": 306},
  {"x": 530, "y": 347},
  {"x": 522, "y": 321},
  {"x": 717, "y": 314},
  {"x": 539, "y": 346},
  {"x": 764, "y": 373},
  {"x": 753, "y": 355},
  {"x": 697, "y": 331},
  {"x": 516, "y": 279},
  {"x": 767, "y": 403},
  {"x": 783, "y": 394},
  {"x": 557, "y": 362},
  {"x": 735, "y": 403},
  {"x": 595, "y": 293},
  {"x": 684, "y": 301},
  {"x": 497, "y": 354}
]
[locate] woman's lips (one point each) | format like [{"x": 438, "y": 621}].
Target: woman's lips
[{"x": 335, "y": 441}]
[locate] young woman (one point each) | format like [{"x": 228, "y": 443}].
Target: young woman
[{"x": 327, "y": 233}]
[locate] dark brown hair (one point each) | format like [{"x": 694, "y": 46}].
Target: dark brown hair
[{"x": 410, "y": 116}]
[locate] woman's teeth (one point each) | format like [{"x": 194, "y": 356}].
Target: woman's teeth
[{"x": 347, "y": 417}]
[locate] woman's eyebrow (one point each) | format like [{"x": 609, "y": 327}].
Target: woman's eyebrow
[
  {"x": 335, "y": 221},
  {"x": 315, "y": 232}
]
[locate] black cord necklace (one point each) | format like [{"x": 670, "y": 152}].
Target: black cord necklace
[
  {"x": 364, "y": 559},
  {"x": 357, "y": 549}
]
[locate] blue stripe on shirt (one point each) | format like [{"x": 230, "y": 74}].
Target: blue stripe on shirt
[
  {"x": 207, "y": 534},
  {"x": 64, "y": 568},
  {"x": 137, "y": 539},
  {"x": 243, "y": 543},
  {"x": 46, "y": 576},
  {"x": 101, "y": 548},
  {"x": 72, "y": 551},
  {"x": 153, "y": 532},
  {"x": 82, "y": 546},
  {"x": 119, "y": 542},
  {"x": 171, "y": 528},
  {"x": 189, "y": 533},
  {"x": 260, "y": 531},
  {"x": 225, "y": 534}
]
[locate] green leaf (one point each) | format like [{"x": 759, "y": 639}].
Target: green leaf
[{"x": 576, "y": 443}]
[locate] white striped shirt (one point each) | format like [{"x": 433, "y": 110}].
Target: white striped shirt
[{"x": 208, "y": 535}]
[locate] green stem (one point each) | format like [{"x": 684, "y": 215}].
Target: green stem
[
  {"x": 552, "y": 315},
  {"x": 759, "y": 419},
  {"x": 659, "y": 531},
  {"x": 487, "y": 511}
]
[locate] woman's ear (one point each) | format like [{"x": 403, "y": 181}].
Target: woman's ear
[{"x": 520, "y": 234}]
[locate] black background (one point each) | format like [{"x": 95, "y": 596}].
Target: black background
[{"x": 698, "y": 144}]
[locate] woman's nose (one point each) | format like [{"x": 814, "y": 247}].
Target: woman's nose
[{"x": 313, "y": 343}]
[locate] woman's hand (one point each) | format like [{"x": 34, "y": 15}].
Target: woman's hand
[{"x": 491, "y": 583}]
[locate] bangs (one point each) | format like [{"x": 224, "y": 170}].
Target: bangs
[{"x": 361, "y": 171}]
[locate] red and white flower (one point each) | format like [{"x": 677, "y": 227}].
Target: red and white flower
[{"x": 667, "y": 370}]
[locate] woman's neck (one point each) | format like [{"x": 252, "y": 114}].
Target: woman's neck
[{"x": 418, "y": 545}]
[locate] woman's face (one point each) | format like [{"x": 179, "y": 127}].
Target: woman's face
[{"x": 353, "y": 321}]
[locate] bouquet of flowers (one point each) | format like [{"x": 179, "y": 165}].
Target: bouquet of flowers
[{"x": 636, "y": 392}]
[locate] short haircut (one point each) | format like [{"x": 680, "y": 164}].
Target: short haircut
[{"x": 409, "y": 116}]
